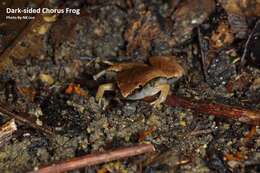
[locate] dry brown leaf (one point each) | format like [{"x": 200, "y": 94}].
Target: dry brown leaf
[{"x": 222, "y": 36}]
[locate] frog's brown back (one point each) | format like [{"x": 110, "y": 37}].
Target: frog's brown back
[
  {"x": 117, "y": 67},
  {"x": 168, "y": 64},
  {"x": 161, "y": 66},
  {"x": 131, "y": 79}
]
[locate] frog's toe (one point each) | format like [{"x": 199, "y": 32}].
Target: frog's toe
[
  {"x": 156, "y": 103},
  {"x": 99, "y": 97}
]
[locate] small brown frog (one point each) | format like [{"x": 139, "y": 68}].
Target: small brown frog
[{"x": 138, "y": 80}]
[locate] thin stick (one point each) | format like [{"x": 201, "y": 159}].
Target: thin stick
[
  {"x": 6, "y": 131},
  {"x": 24, "y": 119},
  {"x": 247, "y": 43},
  {"x": 93, "y": 159},
  {"x": 203, "y": 56},
  {"x": 241, "y": 114}
]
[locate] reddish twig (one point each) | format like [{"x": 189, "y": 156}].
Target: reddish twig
[
  {"x": 93, "y": 159},
  {"x": 234, "y": 112}
]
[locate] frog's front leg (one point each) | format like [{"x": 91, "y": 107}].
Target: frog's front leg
[
  {"x": 164, "y": 89},
  {"x": 101, "y": 90}
]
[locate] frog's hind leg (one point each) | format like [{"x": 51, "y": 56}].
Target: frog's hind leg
[
  {"x": 101, "y": 90},
  {"x": 164, "y": 91},
  {"x": 103, "y": 72}
]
